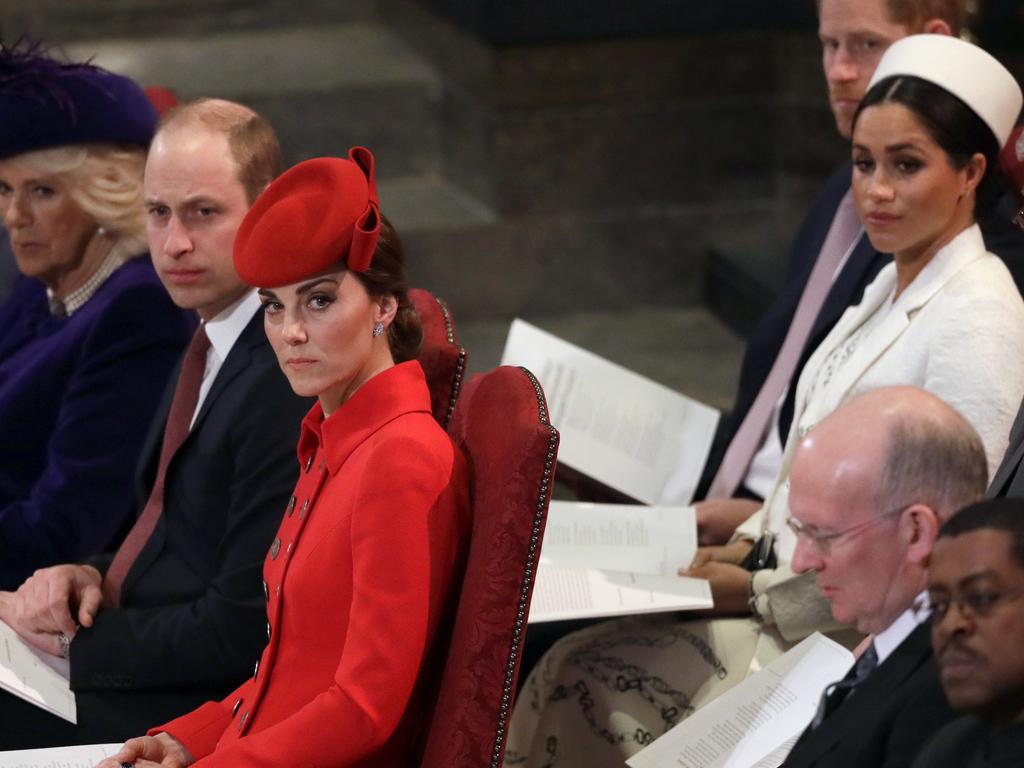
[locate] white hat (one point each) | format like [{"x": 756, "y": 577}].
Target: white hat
[{"x": 963, "y": 69}]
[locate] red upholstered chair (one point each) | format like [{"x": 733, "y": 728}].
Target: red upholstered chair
[
  {"x": 501, "y": 422},
  {"x": 443, "y": 360}
]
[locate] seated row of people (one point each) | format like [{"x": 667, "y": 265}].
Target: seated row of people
[
  {"x": 944, "y": 315},
  {"x": 339, "y": 608},
  {"x": 150, "y": 628}
]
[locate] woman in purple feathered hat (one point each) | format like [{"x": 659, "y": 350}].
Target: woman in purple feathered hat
[{"x": 88, "y": 336}]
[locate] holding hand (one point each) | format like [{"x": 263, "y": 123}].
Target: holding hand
[
  {"x": 160, "y": 751},
  {"x": 730, "y": 584},
  {"x": 717, "y": 519},
  {"x": 730, "y": 587},
  {"x": 55, "y": 601}
]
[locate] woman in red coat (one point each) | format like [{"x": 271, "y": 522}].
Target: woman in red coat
[{"x": 371, "y": 545}]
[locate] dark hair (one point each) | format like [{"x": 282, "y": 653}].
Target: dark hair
[
  {"x": 953, "y": 125},
  {"x": 386, "y": 276},
  {"x": 996, "y": 514}
]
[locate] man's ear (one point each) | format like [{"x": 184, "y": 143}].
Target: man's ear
[
  {"x": 920, "y": 525},
  {"x": 936, "y": 27}
]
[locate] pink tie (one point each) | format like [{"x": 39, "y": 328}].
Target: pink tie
[
  {"x": 843, "y": 233},
  {"x": 179, "y": 418}
]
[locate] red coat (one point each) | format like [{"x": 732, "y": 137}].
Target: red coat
[{"x": 359, "y": 574}]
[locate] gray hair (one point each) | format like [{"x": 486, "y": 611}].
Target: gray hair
[{"x": 935, "y": 461}]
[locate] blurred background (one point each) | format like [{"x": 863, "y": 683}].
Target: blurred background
[{"x": 625, "y": 174}]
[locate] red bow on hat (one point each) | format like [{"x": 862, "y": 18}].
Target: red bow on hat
[{"x": 317, "y": 215}]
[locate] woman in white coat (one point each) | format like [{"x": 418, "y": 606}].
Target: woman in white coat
[{"x": 945, "y": 316}]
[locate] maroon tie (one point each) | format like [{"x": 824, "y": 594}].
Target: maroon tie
[{"x": 179, "y": 419}]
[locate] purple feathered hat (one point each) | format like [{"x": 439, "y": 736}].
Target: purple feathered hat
[{"x": 47, "y": 103}]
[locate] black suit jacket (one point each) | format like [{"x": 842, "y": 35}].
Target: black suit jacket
[
  {"x": 1009, "y": 479},
  {"x": 887, "y": 720},
  {"x": 193, "y": 615},
  {"x": 766, "y": 340}
]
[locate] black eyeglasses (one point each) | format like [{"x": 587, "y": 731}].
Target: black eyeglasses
[
  {"x": 975, "y": 603},
  {"x": 823, "y": 541}
]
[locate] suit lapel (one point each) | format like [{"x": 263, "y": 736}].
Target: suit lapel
[
  {"x": 855, "y": 274},
  {"x": 966, "y": 248},
  {"x": 1012, "y": 460},
  {"x": 852, "y": 319},
  {"x": 238, "y": 360},
  {"x": 862, "y": 707},
  {"x": 236, "y": 363}
]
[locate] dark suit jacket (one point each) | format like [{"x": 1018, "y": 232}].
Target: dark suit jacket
[
  {"x": 766, "y": 340},
  {"x": 193, "y": 620},
  {"x": 887, "y": 720},
  {"x": 969, "y": 742},
  {"x": 1009, "y": 479}
]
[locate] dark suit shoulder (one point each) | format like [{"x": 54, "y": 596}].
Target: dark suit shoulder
[
  {"x": 887, "y": 720},
  {"x": 954, "y": 744}
]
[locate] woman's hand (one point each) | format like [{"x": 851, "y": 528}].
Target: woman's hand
[
  {"x": 717, "y": 519},
  {"x": 733, "y": 554},
  {"x": 160, "y": 751},
  {"x": 730, "y": 586}
]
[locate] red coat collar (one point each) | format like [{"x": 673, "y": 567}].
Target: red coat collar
[{"x": 398, "y": 390}]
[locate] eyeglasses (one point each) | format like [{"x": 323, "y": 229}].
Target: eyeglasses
[
  {"x": 823, "y": 541},
  {"x": 975, "y": 604}
]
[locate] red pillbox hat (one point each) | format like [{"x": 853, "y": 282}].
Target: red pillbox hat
[{"x": 320, "y": 213}]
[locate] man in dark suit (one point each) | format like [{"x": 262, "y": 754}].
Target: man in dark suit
[
  {"x": 854, "y": 34},
  {"x": 177, "y": 615},
  {"x": 1009, "y": 478},
  {"x": 975, "y": 583},
  {"x": 870, "y": 487}
]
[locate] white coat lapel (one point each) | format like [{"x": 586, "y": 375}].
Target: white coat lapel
[
  {"x": 962, "y": 250},
  {"x": 810, "y": 402}
]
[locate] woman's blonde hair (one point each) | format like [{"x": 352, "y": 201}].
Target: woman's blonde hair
[{"x": 105, "y": 180}]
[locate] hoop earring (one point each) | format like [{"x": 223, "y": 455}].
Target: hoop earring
[{"x": 378, "y": 329}]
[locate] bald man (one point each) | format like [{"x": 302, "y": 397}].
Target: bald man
[
  {"x": 177, "y": 616},
  {"x": 870, "y": 487}
]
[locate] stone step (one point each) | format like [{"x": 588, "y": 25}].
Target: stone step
[
  {"x": 686, "y": 349},
  {"x": 325, "y": 88},
  {"x": 607, "y": 260},
  {"x": 63, "y": 21},
  {"x": 431, "y": 203}
]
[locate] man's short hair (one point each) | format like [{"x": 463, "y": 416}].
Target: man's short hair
[
  {"x": 254, "y": 145},
  {"x": 935, "y": 461},
  {"x": 914, "y": 13},
  {"x": 995, "y": 514}
]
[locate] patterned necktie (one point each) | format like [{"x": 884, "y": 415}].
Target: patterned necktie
[
  {"x": 837, "y": 693},
  {"x": 179, "y": 418},
  {"x": 844, "y": 232}
]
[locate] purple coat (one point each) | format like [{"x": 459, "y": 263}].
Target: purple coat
[{"x": 77, "y": 395}]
